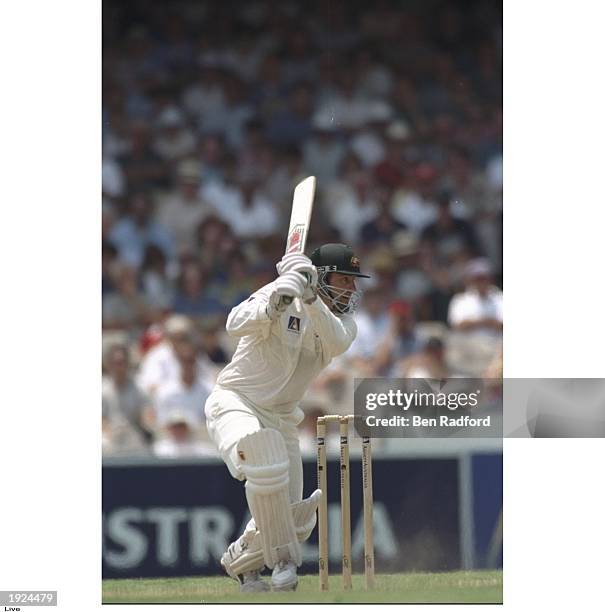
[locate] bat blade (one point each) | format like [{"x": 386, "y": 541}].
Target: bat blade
[{"x": 300, "y": 220}]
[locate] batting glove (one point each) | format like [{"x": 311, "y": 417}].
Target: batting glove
[
  {"x": 297, "y": 262},
  {"x": 291, "y": 285}
]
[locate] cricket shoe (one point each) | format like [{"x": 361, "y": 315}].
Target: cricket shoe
[
  {"x": 251, "y": 582},
  {"x": 284, "y": 576}
]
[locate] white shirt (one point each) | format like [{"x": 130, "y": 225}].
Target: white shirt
[
  {"x": 257, "y": 220},
  {"x": 347, "y": 212},
  {"x": 369, "y": 147},
  {"x": 410, "y": 208},
  {"x": 370, "y": 334},
  {"x": 470, "y": 306},
  {"x": 160, "y": 365},
  {"x": 275, "y": 361},
  {"x": 182, "y": 218},
  {"x": 190, "y": 448},
  {"x": 174, "y": 394}
]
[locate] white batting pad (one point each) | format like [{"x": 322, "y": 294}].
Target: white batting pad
[
  {"x": 305, "y": 515},
  {"x": 246, "y": 554},
  {"x": 265, "y": 464}
]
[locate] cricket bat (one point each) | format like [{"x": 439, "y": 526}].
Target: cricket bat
[{"x": 300, "y": 220}]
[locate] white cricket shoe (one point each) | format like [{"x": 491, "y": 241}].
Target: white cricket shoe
[
  {"x": 251, "y": 582},
  {"x": 284, "y": 576}
]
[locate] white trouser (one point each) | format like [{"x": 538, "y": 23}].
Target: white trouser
[{"x": 230, "y": 417}]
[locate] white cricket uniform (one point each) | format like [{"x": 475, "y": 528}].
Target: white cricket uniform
[{"x": 270, "y": 371}]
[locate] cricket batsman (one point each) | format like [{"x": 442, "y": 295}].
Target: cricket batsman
[{"x": 288, "y": 331}]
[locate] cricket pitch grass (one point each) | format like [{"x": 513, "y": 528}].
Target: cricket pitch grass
[{"x": 451, "y": 587}]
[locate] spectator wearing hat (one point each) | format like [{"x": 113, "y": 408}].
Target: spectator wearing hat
[
  {"x": 423, "y": 279},
  {"x": 178, "y": 438},
  {"x": 478, "y": 309},
  {"x": 184, "y": 209},
  {"x": 138, "y": 230},
  {"x": 405, "y": 247},
  {"x": 186, "y": 389},
  {"x": 174, "y": 141},
  {"x": 160, "y": 362},
  {"x": 401, "y": 340},
  {"x": 123, "y": 404}
]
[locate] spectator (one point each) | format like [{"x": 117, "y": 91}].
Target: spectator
[
  {"x": 123, "y": 405},
  {"x": 429, "y": 362},
  {"x": 109, "y": 258},
  {"x": 401, "y": 340},
  {"x": 210, "y": 341},
  {"x": 324, "y": 151},
  {"x": 160, "y": 363},
  {"x": 142, "y": 167},
  {"x": 135, "y": 232},
  {"x": 184, "y": 209},
  {"x": 112, "y": 179},
  {"x": 478, "y": 309},
  {"x": 174, "y": 140},
  {"x": 193, "y": 297},
  {"x": 350, "y": 201},
  {"x": 448, "y": 233},
  {"x": 292, "y": 126},
  {"x": 214, "y": 241},
  {"x": 372, "y": 328},
  {"x": 368, "y": 143},
  {"x": 240, "y": 285},
  {"x": 187, "y": 391},
  {"x": 231, "y": 116},
  {"x": 244, "y": 207},
  {"x": 212, "y": 155},
  {"x": 206, "y": 94},
  {"x": 125, "y": 308},
  {"x": 157, "y": 287},
  {"x": 383, "y": 226},
  {"x": 178, "y": 438},
  {"x": 412, "y": 202}
]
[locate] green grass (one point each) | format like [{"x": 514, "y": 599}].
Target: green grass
[{"x": 452, "y": 587}]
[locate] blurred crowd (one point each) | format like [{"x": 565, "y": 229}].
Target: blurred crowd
[{"x": 213, "y": 111}]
